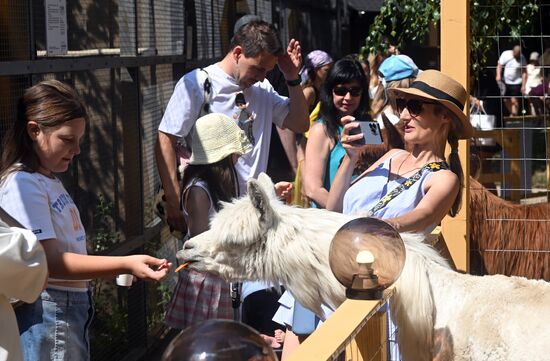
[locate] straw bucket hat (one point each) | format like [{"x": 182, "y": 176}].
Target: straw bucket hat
[
  {"x": 434, "y": 85},
  {"x": 216, "y": 136}
]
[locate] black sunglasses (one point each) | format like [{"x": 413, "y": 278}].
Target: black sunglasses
[
  {"x": 341, "y": 91},
  {"x": 414, "y": 106}
]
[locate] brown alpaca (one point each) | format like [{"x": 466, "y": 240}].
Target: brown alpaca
[{"x": 508, "y": 238}]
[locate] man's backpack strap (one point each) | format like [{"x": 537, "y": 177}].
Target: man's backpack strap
[{"x": 207, "y": 90}]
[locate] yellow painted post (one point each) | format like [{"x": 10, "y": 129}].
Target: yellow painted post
[
  {"x": 370, "y": 344},
  {"x": 455, "y": 54}
]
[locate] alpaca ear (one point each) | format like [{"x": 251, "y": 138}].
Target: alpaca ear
[
  {"x": 267, "y": 185},
  {"x": 261, "y": 202}
]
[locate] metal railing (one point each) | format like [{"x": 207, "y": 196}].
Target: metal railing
[{"x": 357, "y": 329}]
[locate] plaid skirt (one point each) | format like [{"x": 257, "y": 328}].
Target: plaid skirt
[{"x": 198, "y": 297}]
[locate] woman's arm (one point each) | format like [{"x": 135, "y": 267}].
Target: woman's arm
[
  {"x": 315, "y": 164},
  {"x": 342, "y": 180},
  {"x": 309, "y": 94},
  {"x": 340, "y": 185},
  {"x": 441, "y": 191}
]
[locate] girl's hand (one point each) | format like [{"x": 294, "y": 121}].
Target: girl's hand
[
  {"x": 147, "y": 267},
  {"x": 283, "y": 190}
]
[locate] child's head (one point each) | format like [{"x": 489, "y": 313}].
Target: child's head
[
  {"x": 216, "y": 136},
  {"x": 217, "y": 143},
  {"x": 43, "y": 110}
]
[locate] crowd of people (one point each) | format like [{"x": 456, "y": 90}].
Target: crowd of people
[
  {"x": 326, "y": 99},
  {"x": 224, "y": 114}
]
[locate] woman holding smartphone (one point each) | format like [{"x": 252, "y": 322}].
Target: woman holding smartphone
[{"x": 342, "y": 95}]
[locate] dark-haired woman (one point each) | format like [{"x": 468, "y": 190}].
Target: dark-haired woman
[{"x": 343, "y": 94}]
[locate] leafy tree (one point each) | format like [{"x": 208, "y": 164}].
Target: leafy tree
[{"x": 406, "y": 21}]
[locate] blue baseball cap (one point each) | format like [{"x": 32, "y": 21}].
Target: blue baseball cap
[{"x": 398, "y": 67}]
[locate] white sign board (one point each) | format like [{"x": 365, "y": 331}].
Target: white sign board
[{"x": 56, "y": 27}]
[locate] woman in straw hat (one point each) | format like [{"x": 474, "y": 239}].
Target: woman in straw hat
[
  {"x": 424, "y": 186},
  {"x": 209, "y": 179},
  {"x": 411, "y": 189}
]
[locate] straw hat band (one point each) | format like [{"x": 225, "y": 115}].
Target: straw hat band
[{"x": 436, "y": 93}]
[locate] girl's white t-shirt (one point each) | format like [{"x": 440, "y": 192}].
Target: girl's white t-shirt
[{"x": 42, "y": 205}]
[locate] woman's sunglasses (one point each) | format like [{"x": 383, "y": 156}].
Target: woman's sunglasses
[
  {"x": 414, "y": 106},
  {"x": 341, "y": 91}
]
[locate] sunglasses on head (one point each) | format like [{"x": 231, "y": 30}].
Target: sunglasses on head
[
  {"x": 341, "y": 91},
  {"x": 414, "y": 106}
]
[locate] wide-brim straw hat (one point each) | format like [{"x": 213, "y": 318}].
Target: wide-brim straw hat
[
  {"x": 436, "y": 86},
  {"x": 216, "y": 136}
]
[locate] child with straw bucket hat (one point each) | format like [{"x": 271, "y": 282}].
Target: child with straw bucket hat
[{"x": 210, "y": 178}]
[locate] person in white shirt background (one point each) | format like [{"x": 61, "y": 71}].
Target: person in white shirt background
[{"x": 511, "y": 72}]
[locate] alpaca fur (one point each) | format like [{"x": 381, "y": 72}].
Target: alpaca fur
[
  {"x": 493, "y": 220},
  {"x": 441, "y": 314}
]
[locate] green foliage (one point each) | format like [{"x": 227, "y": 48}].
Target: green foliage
[
  {"x": 401, "y": 21},
  {"x": 158, "y": 299},
  {"x": 110, "y": 325},
  {"x": 103, "y": 237},
  {"x": 109, "y": 331},
  {"x": 406, "y": 21},
  {"x": 487, "y": 21}
]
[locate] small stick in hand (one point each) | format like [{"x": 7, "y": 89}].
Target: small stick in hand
[{"x": 182, "y": 266}]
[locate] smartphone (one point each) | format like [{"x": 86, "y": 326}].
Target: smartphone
[{"x": 371, "y": 133}]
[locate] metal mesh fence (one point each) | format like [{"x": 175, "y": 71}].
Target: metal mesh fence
[
  {"x": 512, "y": 150},
  {"x": 14, "y": 39}
]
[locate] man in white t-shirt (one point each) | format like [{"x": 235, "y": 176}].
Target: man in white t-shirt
[
  {"x": 239, "y": 90},
  {"x": 514, "y": 77}
]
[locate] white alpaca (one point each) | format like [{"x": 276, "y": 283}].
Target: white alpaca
[{"x": 441, "y": 314}]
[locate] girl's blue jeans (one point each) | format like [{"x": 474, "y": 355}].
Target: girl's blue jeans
[{"x": 55, "y": 327}]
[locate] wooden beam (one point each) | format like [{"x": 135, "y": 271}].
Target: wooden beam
[
  {"x": 455, "y": 54},
  {"x": 344, "y": 326}
]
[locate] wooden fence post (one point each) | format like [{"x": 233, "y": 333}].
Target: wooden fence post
[{"x": 455, "y": 55}]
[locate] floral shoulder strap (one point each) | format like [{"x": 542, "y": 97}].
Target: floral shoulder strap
[{"x": 431, "y": 167}]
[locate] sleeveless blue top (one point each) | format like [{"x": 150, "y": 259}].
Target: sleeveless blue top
[
  {"x": 367, "y": 192},
  {"x": 334, "y": 160}
]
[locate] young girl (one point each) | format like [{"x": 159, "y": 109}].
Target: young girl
[
  {"x": 209, "y": 179},
  {"x": 44, "y": 139}
]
